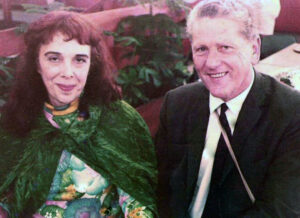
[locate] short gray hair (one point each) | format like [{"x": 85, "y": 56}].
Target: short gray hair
[{"x": 234, "y": 9}]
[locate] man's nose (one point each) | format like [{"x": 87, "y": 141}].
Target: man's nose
[{"x": 213, "y": 60}]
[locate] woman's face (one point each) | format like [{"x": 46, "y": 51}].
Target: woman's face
[{"x": 64, "y": 67}]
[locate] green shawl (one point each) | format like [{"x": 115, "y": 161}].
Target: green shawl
[{"x": 114, "y": 141}]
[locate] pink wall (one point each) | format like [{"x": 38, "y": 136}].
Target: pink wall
[
  {"x": 80, "y": 3},
  {"x": 10, "y": 43},
  {"x": 289, "y": 17},
  {"x": 37, "y": 2}
]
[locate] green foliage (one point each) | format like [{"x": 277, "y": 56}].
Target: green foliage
[
  {"x": 6, "y": 77},
  {"x": 44, "y": 9},
  {"x": 174, "y": 5},
  {"x": 157, "y": 42}
]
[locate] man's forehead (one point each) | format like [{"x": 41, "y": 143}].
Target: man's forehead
[{"x": 218, "y": 25}]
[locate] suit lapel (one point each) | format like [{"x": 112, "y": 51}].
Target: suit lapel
[
  {"x": 248, "y": 117},
  {"x": 197, "y": 126}
]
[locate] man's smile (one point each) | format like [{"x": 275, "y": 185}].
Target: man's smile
[{"x": 217, "y": 75}]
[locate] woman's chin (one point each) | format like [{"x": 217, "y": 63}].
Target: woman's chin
[{"x": 62, "y": 102}]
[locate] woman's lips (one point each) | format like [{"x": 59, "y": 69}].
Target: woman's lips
[{"x": 66, "y": 88}]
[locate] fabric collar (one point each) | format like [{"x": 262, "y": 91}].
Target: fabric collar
[
  {"x": 62, "y": 110},
  {"x": 235, "y": 104}
]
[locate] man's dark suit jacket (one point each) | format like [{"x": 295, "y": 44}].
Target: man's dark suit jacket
[{"x": 266, "y": 142}]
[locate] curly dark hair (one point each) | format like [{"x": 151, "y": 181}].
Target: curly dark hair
[{"x": 28, "y": 93}]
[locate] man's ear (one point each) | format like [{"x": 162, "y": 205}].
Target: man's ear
[{"x": 256, "y": 45}]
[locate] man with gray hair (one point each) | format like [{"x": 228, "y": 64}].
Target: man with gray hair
[{"x": 229, "y": 145}]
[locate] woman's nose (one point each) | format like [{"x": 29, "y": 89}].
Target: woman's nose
[{"x": 68, "y": 70}]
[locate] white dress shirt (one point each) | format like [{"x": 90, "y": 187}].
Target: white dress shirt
[{"x": 213, "y": 134}]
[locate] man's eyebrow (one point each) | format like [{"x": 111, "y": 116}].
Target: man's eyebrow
[{"x": 226, "y": 43}]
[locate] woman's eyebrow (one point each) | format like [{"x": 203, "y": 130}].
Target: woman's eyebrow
[
  {"x": 82, "y": 55},
  {"x": 58, "y": 53},
  {"x": 51, "y": 53}
]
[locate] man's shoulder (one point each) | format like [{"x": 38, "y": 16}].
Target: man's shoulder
[
  {"x": 191, "y": 90},
  {"x": 278, "y": 89},
  {"x": 280, "y": 95}
]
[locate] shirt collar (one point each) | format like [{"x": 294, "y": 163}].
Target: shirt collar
[{"x": 235, "y": 104}]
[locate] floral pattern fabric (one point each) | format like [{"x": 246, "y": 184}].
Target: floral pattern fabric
[{"x": 79, "y": 191}]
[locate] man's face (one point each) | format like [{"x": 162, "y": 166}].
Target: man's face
[{"x": 222, "y": 56}]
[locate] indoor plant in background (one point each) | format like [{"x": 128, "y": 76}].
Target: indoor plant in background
[
  {"x": 136, "y": 77},
  {"x": 10, "y": 46},
  {"x": 153, "y": 57},
  {"x": 6, "y": 77},
  {"x": 151, "y": 60}
]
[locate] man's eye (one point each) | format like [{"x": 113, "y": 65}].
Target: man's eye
[
  {"x": 226, "y": 48},
  {"x": 201, "y": 49}
]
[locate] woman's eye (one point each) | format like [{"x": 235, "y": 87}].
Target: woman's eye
[
  {"x": 80, "y": 60},
  {"x": 53, "y": 59}
]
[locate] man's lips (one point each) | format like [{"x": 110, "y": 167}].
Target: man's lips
[
  {"x": 66, "y": 88},
  {"x": 217, "y": 75}
]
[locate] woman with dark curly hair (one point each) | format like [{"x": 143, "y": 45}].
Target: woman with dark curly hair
[{"x": 69, "y": 146}]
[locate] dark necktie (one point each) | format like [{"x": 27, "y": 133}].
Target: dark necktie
[
  {"x": 212, "y": 205},
  {"x": 224, "y": 121}
]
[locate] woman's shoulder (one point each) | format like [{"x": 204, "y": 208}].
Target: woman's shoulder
[
  {"x": 12, "y": 148},
  {"x": 117, "y": 109},
  {"x": 5, "y": 136},
  {"x": 120, "y": 115}
]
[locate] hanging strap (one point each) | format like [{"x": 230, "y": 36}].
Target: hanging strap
[{"x": 250, "y": 194}]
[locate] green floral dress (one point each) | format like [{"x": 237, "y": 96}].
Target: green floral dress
[
  {"x": 69, "y": 166},
  {"x": 79, "y": 191}
]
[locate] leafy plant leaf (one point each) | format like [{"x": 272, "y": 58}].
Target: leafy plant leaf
[
  {"x": 127, "y": 41},
  {"x": 156, "y": 41}
]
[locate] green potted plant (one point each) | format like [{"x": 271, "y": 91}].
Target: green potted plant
[
  {"x": 149, "y": 53},
  {"x": 6, "y": 77},
  {"x": 154, "y": 55}
]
